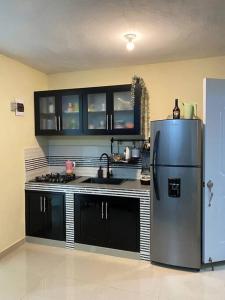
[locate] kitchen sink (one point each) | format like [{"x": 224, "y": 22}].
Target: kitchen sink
[{"x": 103, "y": 180}]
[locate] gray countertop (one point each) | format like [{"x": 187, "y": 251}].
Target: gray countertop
[{"x": 128, "y": 185}]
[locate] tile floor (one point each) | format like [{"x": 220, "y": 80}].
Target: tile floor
[{"x": 34, "y": 272}]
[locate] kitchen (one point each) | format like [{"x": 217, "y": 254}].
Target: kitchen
[{"x": 166, "y": 79}]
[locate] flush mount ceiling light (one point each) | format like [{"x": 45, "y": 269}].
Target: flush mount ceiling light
[{"x": 130, "y": 37}]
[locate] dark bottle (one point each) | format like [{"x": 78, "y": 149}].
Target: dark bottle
[
  {"x": 176, "y": 110},
  {"x": 100, "y": 172}
]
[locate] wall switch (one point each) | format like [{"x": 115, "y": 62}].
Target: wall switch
[{"x": 18, "y": 107}]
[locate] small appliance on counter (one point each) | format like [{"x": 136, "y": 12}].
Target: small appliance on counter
[
  {"x": 145, "y": 170},
  {"x": 145, "y": 178},
  {"x": 55, "y": 178}
]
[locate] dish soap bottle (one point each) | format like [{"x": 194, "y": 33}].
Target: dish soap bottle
[
  {"x": 176, "y": 110},
  {"x": 100, "y": 172}
]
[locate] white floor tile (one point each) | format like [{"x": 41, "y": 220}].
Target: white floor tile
[{"x": 34, "y": 272}]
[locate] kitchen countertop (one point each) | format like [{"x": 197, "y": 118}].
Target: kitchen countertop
[{"x": 131, "y": 184}]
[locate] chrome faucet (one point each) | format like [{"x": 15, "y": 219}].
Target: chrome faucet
[{"x": 109, "y": 174}]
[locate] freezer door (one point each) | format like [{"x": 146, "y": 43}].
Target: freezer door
[
  {"x": 176, "y": 217},
  {"x": 176, "y": 142}
]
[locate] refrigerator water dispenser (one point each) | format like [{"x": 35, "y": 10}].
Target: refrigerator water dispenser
[{"x": 174, "y": 187}]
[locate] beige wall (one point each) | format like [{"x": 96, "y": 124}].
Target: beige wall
[
  {"x": 17, "y": 133},
  {"x": 165, "y": 81}
]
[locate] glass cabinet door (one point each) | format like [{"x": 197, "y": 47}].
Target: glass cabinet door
[
  {"x": 71, "y": 112},
  {"x": 123, "y": 108},
  {"x": 47, "y": 110},
  {"x": 96, "y": 106}
]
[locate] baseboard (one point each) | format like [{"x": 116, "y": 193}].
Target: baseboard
[
  {"x": 12, "y": 247},
  {"x": 107, "y": 251},
  {"x": 46, "y": 242}
]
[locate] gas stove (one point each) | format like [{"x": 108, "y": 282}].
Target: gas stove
[{"x": 55, "y": 178}]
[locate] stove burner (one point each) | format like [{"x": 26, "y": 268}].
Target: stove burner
[{"x": 55, "y": 178}]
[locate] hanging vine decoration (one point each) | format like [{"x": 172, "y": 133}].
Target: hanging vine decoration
[{"x": 138, "y": 83}]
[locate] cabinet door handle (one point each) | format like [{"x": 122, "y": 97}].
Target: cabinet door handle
[
  {"x": 106, "y": 210},
  {"x": 56, "y": 124},
  {"x": 111, "y": 122},
  {"x": 44, "y": 204},
  {"x": 41, "y": 208},
  {"x": 107, "y": 122},
  {"x": 59, "y": 123},
  {"x": 102, "y": 210}
]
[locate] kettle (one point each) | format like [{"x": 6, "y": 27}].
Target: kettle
[
  {"x": 189, "y": 110},
  {"x": 70, "y": 166}
]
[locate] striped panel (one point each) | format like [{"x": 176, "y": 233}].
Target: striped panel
[
  {"x": 89, "y": 161},
  {"x": 35, "y": 163},
  {"x": 145, "y": 227},
  {"x": 69, "y": 220},
  {"x": 70, "y": 190}
]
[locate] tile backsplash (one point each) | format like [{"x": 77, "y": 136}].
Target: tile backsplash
[
  {"x": 36, "y": 162},
  {"x": 52, "y": 158}
]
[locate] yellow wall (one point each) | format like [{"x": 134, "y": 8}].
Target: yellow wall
[
  {"x": 165, "y": 81},
  {"x": 16, "y": 133}
]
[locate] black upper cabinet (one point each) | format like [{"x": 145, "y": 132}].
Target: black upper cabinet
[
  {"x": 109, "y": 110},
  {"x": 125, "y": 113},
  {"x": 46, "y": 113},
  {"x": 96, "y": 111},
  {"x": 58, "y": 112},
  {"x": 88, "y": 111}
]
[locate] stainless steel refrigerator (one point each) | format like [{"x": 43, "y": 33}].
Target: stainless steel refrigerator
[{"x": 176, "y": 180}]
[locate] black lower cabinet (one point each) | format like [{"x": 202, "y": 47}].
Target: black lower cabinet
[
  {"x": 124, "y": 220},
  {"x": 91, "y": 225},
  {"x": 107, "y": 221},
  {"x": 45, "y": 215}
]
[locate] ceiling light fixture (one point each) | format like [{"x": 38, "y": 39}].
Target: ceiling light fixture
[{"x": 130, "y": 37}]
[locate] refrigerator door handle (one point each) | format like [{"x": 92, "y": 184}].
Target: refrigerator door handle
[
  {"x": 155, "y": 148},
  {"x": 154, "y": 167}
]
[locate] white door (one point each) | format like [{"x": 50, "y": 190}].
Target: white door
[{"x": 214, "y": 171}]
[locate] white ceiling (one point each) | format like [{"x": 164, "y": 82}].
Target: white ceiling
[{"x": 66, "y": 35}]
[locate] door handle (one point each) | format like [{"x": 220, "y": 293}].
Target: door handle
[
  {"x": 210, "y": 186},
  {"x": 111, "y": 122},
  {"x": 44, "y": 204},
  {"x": 154, "y": 167},
  {"x": 102, "y": 210},
  {"x": 56, "y": 124},
  {"x": 106, "y": 210},
  {"x": 59, "y": 119},
  {"x": 107, "y": 122},
  {"x": 41, "y": 207}
]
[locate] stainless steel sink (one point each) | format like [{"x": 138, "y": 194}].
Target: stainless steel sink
[{"x": 103, "y": 180}]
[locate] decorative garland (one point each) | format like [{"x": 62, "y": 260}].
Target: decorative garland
[{"x": 138, "y": 82}]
